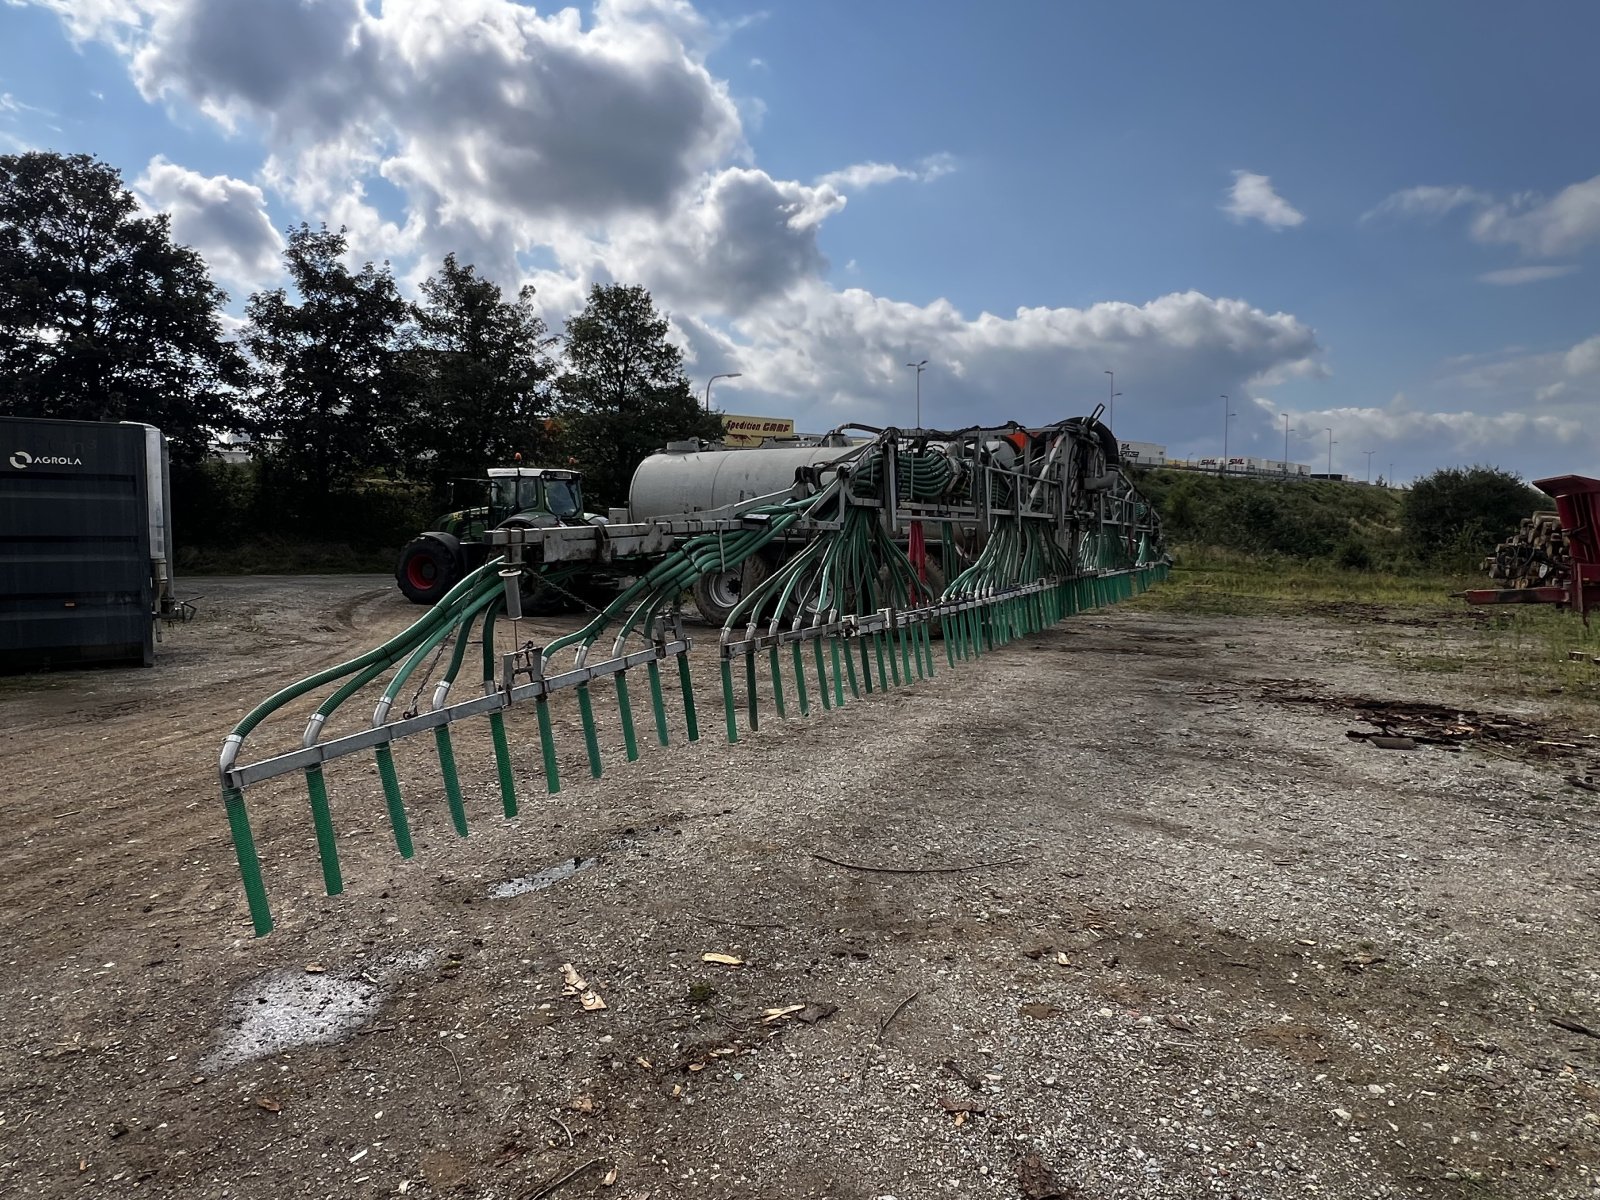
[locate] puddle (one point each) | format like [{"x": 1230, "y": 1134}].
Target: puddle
[
  {"x": 540, "y": 880},
  {"x": 290, "y": 1008}
]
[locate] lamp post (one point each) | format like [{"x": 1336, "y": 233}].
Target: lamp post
[
  {"x": 714, "y": 378},
  {"x": 1369, "y": 454},
  {"x": 1331, "y": 445},
  {"x": 1227, "y": 415},
  {"x": 1287, "y": 429},
  {"x": 919, "y": 367},
  {"x": 1111, "y": 397}
]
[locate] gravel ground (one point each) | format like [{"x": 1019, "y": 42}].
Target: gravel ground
[{"x": 1219, "y": 949}]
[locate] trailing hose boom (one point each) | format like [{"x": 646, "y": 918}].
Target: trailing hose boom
[{"x": 982, "y": 535}]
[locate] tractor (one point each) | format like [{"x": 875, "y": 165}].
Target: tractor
[{"x": 517, "y": 497}]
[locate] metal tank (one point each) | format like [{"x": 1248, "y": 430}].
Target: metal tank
[{"x": 671, "y": 483}]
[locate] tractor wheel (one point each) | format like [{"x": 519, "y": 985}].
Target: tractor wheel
[{"x": 427, "y": 570}]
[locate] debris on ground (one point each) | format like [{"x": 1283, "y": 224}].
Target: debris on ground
[
  {"x": 1427, "y": 724},
  {"x": 576, "y": 985}
]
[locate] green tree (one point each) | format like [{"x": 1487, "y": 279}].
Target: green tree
[
  {"x": 623, "y": 394},
  {"x": 102, "y": 316},
  {"x": 481, "y": 370},
  {"x": 329, "y": 385},
  {"x": 1454, "y": 516}
]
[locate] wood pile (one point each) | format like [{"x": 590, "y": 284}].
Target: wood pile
[{"x": 1535, "y": 556}]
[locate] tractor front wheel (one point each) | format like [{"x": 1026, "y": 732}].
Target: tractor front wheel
[{"x": 427, "y": 570}]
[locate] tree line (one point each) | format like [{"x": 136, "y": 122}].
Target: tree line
[{"x": 344, "y": 385}]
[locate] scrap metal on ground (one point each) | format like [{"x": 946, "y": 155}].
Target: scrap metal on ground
[{"x": 1031, "y": 524}]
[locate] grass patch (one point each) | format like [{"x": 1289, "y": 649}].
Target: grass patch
[
  {"x": 1213, "y": 581},
  {"x": 1523, "y": 651},
  {"x": 1527, "y": 651}
]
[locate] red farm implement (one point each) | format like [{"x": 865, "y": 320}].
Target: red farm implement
[{"x": 1571, "y": 579}]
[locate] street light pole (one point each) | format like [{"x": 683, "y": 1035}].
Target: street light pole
[
  {"x": 1286, "y": 431},
  {"x": 1331, "y": 444},
  {"x": 1111, "y": 396},
  {"x": 1369, "y": 454},
  {"x": 714, "y": 378},
  {"x": 919, "y": 369},
  {"x": 1227, "y": 415}
]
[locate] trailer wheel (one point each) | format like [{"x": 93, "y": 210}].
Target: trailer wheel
[
  {"x": 428, "y": 569},
  {"x": 716, "y": 594}
]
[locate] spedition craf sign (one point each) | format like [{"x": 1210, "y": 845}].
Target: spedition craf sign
[{"x": 749, "y": 431}]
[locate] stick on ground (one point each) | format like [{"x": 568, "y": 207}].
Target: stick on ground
[
  {"x": 895, "y": 1013},
  {"x": 1003, "y": 862}
]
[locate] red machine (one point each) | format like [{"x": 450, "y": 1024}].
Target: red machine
[{"x": 1577, "y": 500}]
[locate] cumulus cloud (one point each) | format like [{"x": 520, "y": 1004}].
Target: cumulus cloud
[
  {"x": 1511, "y": 276},
  {"x": 225, "y": 219},
  {"x": 569, "y": 149},
  {"x": 841, "y": 354},
  {"x": 482, "y": 109},
  {"x": 1252, "y": 198},
  {"x": 744, "y": 239}
]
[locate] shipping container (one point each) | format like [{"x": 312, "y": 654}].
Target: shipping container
[{"x": 85, "y": 542}]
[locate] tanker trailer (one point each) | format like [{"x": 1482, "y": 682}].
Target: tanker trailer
[{"x": 690, "y": 481}]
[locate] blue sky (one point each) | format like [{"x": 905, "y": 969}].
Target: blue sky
[{"x": 1382, "y": 218}]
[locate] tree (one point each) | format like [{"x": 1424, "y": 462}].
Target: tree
[
  {"x": 1454, "y": 517},
  {"x": 102, "y": 316},
  {"x": 328, "y": 383},
  {"x": 480, "y": 372},
  {"x": 623, "y": 393}
]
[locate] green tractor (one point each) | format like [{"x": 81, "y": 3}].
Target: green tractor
[{"x": 530, "y": 497}]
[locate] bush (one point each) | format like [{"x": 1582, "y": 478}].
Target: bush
[
  {"x": 1302, "y": 520},
  {"x": 1453, "y": 517},
  {"x": 1353, "y": 554}
]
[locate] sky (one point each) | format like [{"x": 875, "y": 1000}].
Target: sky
[{"x": 1379, "y": 219}]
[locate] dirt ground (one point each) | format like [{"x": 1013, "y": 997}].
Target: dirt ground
[{"x": 1221, "y": 949}]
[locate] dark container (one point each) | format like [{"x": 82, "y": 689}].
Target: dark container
[{"x": 77, "y": 500}]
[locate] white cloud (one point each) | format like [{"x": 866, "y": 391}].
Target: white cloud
[
  {"x": 1252, "y": 198},
  {"x": 868, "y": 174},
  {"x": 1400, "y": 434},
  {"x": 225, "y": 219},
  {"x": 1511, "y": 276},
  {"x": 1584, "y": 358},
  {"x": 1567, "y": 222},
  {"x": 743, "y": 240},
  {"x": 1427, "y": 201},
  {"x": 1563, "y": 224},
  {"x": 841, "y": 354}
]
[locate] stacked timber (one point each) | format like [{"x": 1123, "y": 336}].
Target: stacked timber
[{"x": 1535, "y": 556}]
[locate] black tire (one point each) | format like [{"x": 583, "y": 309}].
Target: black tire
[
  {"x": 428, "y": 568},
  {"x": 717, "y": 593}
]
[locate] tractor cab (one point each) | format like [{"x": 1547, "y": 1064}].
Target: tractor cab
[
  {"x": 532, "y": 492},
  {"x": 529, "y": 496}
]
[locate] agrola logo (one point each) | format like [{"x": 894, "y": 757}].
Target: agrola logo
[{"x": 22, "y": 460}]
